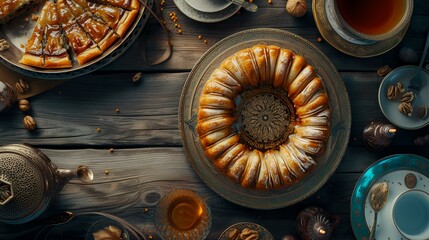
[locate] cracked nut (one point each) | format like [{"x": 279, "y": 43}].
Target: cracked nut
[
  {"x": 408, "y": 97},
  {"x": 383, "y": 71},
  {"x": 296, "y": 8},
  {"x": 406, "y": 108},
  {"x": 29, "y": 123},
  {"x": 233, "y": 234},
  {"x": 4, "y": 45},
  {"x": 392, "y": 92},
  {"x": 423, "y": 112},
  {"x": 22, "y": 86},
  {"x": 24, "y": 105},
  {"x": 401, "y": 88},
  {"x": 248, "y": 234}
]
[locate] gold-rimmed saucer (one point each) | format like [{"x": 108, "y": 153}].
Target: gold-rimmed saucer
[{"x": 352, "y": 49}]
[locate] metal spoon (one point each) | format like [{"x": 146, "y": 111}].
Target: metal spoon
[
  {"x": 416, "y": 81},
  {"x": 378, "y": 198},
  {"x": 251, "y": 7}
]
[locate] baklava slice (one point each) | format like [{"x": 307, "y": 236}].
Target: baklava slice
[
  {"x": 126, "y": 4},
  {"x": 83, "y": 46},
  {"x": 116, "y": 18},
  {"x": 98, "y": 31},
  {"x": 33, "y": 53},
  {"x": 55, "y": 52},
  {"x": 11, "y": 8}
]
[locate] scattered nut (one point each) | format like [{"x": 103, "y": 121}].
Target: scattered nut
[
  {"x": 111, "y": 150},
  {"x": 296, "y": 8},
  {"x": 29, "y": 123},
  {"x": 408, "y": 97},
  {"x": 179, "y": 31},
  {"x": 319, "y": 39},
  {"x": 137, "y": 77},
  {"x": 410, "y": 180},
  {"x": 401, "y": 88},
  {"x": 24, "y": 105},
  {"x": 205, "y": 41},
  {"x": 4, "y": 45},
  {"x": 106, "y": 171},
  {"x": 383, "y": 70},
  {"x": 200, "y": 37},
  {"x": 247, "y": 234},
  {"x": 392, "y": 92},
  {"x": 98, "y": 129},
  {"x": 22, "y": 86},
  {"x": 233, "y": 234},
  {"x": 117, "y": 110},
  {"x": 34, "y": 17},
  {"x": 146, "y": 210},
  {"x": 423, "y": 112},
  {"x": 406, "y": 108}
]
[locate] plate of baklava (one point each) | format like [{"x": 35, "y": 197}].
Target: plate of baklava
[{"x": 59, "y": 39}]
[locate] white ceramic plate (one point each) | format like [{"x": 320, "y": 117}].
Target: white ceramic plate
[
  {"x": 390, "y": 107},
  {"x": 208, "y": 5},
  {"x": 393, "y": 170},
  {"x": 207, "y": 17}
]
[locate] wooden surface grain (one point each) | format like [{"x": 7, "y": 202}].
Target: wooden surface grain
[{"x": 78, "y": 123}]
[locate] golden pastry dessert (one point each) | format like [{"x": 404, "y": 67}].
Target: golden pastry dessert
[
  {"x": 12, "y": 8},
  {"x": 264, "y": 117},
  {"x": 84, "y": 28}
]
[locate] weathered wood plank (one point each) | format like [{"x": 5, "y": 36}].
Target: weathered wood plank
[
  {"x": 69, "y": 115},
  {"x": 139, "y": 177}
]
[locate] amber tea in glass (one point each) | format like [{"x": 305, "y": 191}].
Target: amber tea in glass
[
  {"x": 185, "y": 213},
  {"x": 372, "y": 16}
]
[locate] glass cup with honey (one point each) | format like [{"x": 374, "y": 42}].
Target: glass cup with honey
[{"x": 183, "y": 214}]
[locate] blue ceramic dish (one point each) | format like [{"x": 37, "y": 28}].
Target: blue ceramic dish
[{"x": 391, "y": 169}]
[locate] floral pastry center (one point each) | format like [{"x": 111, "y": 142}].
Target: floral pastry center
[{"x": 265, "y": 116}]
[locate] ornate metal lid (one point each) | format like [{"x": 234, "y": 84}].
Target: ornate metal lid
[{"x": 22, "y": 187}]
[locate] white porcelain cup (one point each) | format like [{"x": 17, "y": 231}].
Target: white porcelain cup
[{"x": 411, "y": 215}]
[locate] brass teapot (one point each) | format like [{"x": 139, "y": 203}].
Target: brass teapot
[{"x": 30, "y": 182}]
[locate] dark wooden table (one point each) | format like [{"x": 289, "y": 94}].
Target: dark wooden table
[{"x": 148, "y": 159}]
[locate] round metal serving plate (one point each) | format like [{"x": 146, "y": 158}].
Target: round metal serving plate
[
  {"x": 17, "y": 32},
  {"x": 340, "y": 123}
]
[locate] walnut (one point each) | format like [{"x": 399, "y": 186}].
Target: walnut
[
  {"x": 29, "y": 123},
  {"x": 137, "y": 77},
  {"x": 423, "y": 112},
  {"x": 406, "y": 108},
  {"x": 296, "y": 8},
  {"x": 408, "y": 97},
  {"x": 383, "y": 70},
  {"x": 401, "y": 88},
  {"x": 392, "y": 92},
  {"x": 24, "y": 105},
  {"x": 4, "y": 45},
  {"x": 248, "y": 234},
  {"x": 233, "y": 234},
  {"x": 22, "y": 86}
]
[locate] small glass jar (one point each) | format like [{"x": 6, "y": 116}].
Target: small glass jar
[{"x": 183, "y": 214}]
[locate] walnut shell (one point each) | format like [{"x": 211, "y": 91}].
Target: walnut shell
[
  {"x": 296, "y": 8},
  {"x": 29, "y": 123}
]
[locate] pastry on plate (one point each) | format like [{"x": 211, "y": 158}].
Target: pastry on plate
[
  {"x": 83, "y": 46},
  {"x": 12, "y": 8},
  {"x": 55, "y": 51},
  {"x": 264, "y": 117}
]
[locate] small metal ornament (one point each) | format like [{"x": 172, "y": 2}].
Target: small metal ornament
[
  {"x": 314, "y": 223},
  {"x": 377, "y": 136},
  {"x": 7, "y": 97}
]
